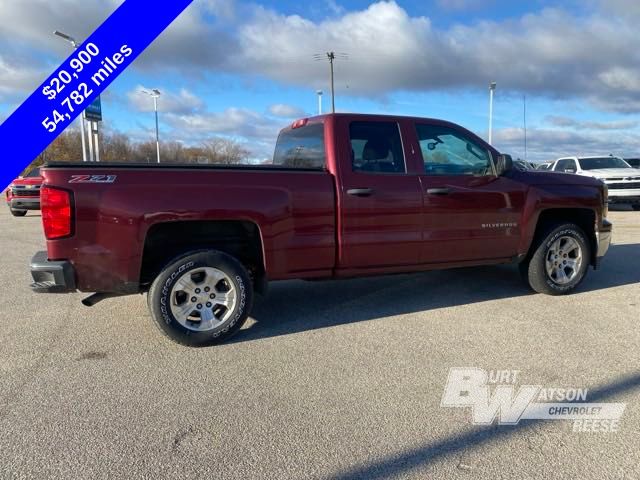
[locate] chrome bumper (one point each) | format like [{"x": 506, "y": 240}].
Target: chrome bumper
[
  {"x": 603, "y": 240},
  {"x": 25, "y": 203}
]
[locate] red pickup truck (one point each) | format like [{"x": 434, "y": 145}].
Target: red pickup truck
[
  {"x": 347, "y": 195},
  {"x": 24, "y": 193}
]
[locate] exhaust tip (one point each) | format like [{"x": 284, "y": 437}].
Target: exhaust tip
[{"x": 91, "y": 300}]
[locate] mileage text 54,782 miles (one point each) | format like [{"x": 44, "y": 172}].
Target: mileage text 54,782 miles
[{"x": 76, "y": 97}]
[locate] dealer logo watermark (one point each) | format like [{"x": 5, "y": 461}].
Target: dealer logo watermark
[{"x": 492, "y": 394}]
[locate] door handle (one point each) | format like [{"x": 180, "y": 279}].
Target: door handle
[
  {"x": 438, "y": 191},
  {"x": 360, "y": 192}
]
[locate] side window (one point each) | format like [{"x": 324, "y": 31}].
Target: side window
[
  {"x": 561, "y": 165},
  {"x": 301, "y": 147},
  {"x": 446, "y": 151},
  {"x": 376, "y": 147},
  {"x": 572, "y": 166}
]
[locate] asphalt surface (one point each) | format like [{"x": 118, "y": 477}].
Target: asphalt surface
[{"x": 330, "y": 380}]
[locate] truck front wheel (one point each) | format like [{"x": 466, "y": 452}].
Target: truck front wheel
[
  {"x": 201, "y": 299},
  {"x": 18, "y": 213},
  {"x": 559, "y": 260}
]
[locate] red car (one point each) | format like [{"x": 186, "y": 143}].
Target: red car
[
  {"x": 348, "y": 195},
  {"x": 24, "y": 193}
]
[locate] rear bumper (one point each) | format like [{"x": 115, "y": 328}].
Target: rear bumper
[
  {"x": 24, "y": 203},
  {"x": 52, "y": 276},
  {"x": 603, "y": 240}
]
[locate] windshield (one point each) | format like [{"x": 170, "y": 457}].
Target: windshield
[
  {"x": 604, "y": 162},
  {"x": 33, "y": 173}
]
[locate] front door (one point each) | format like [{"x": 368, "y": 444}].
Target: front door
[{"x": 470, "y": 214}]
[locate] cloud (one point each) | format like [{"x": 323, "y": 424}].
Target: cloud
[
  {"x": 285, "y": 111},
  {"x": 258, "y": 132},
  {"x": 334, "y": 7},
  {"x": 17, "y": 79},
  {"x": 627, "y": 8},
  {"x": 552, "y": 53},
  {"x": 224, "y": 9},
  {"x": 196, "y": 40},
  {"x": 282, "y": 47},
  {"x": 560, "y": 121},
  {"x": 169, "y": 102},
  {"x": 459, "y": 5},
  {"x": 549, "y": 144},
  {"x": 33, "y": 21}
]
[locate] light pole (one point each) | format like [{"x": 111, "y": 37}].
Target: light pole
[
  {"x": 492, "y": 88},
  {"x": 68, "y": 38},
  {"x": 73, "y": 42},
  {"x": 332, "y": 56},
  {"x": 524, "y": 114},
  {"x": 155, "y": 93},
  {"x": 319, "y": 93}
]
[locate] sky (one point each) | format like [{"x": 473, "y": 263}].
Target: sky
[{"x": 244, "y": 70}]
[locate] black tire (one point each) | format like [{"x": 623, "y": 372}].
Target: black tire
[
  {"x": 18, "y": 213},
  {"x": 636, "y": 207},
  {"x": 162, "y": 293},
  {"x": 534, "y": 270}
]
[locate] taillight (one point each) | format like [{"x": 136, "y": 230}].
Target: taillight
[
  {"x": 56, "y": 212},
  {"x": 299, "y": 123}
]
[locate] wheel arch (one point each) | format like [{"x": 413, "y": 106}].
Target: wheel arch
[
  {"x": 241, "y": 239},
  {"x": 585, "y": 218}
]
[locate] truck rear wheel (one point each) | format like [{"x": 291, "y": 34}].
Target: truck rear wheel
[
  {"x": 18, "y": 213},
  {"x": 201, "y": 299},
  {"x": 559, "y": 261}
]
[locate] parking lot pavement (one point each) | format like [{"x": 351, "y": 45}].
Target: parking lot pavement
[{"x": 331, "y": 380}]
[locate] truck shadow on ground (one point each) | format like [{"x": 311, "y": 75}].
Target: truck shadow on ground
[
  {"x": 408, "y": 460},
  {"x": 298, "y": 306}
]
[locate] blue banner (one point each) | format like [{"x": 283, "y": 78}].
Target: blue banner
[{"x": 80, "y": 79}]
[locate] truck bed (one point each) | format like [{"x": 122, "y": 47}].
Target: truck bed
[{"x": 118, "y": 206}]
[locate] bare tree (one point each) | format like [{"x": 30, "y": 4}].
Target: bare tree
[
  {"x": 118, "y": 147},
  {"x": 225, "y": 151},
  {"x": 145, "y": 152},
  {"x": 172, "y": 152}
]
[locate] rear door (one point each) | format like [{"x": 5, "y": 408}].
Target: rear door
[
  {"x": 469, "y": 213},
  {"x": 379, "y": 202}
]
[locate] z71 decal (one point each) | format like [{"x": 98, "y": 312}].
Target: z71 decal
[{"x": 93, "y": 178}]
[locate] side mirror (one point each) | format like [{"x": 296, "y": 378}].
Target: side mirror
[
  {"x": 569, "y": 170},
  {"x": 504, "y": 163}
]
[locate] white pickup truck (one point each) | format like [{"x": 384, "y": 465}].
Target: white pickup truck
[{"x": 621, "y": 178}]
